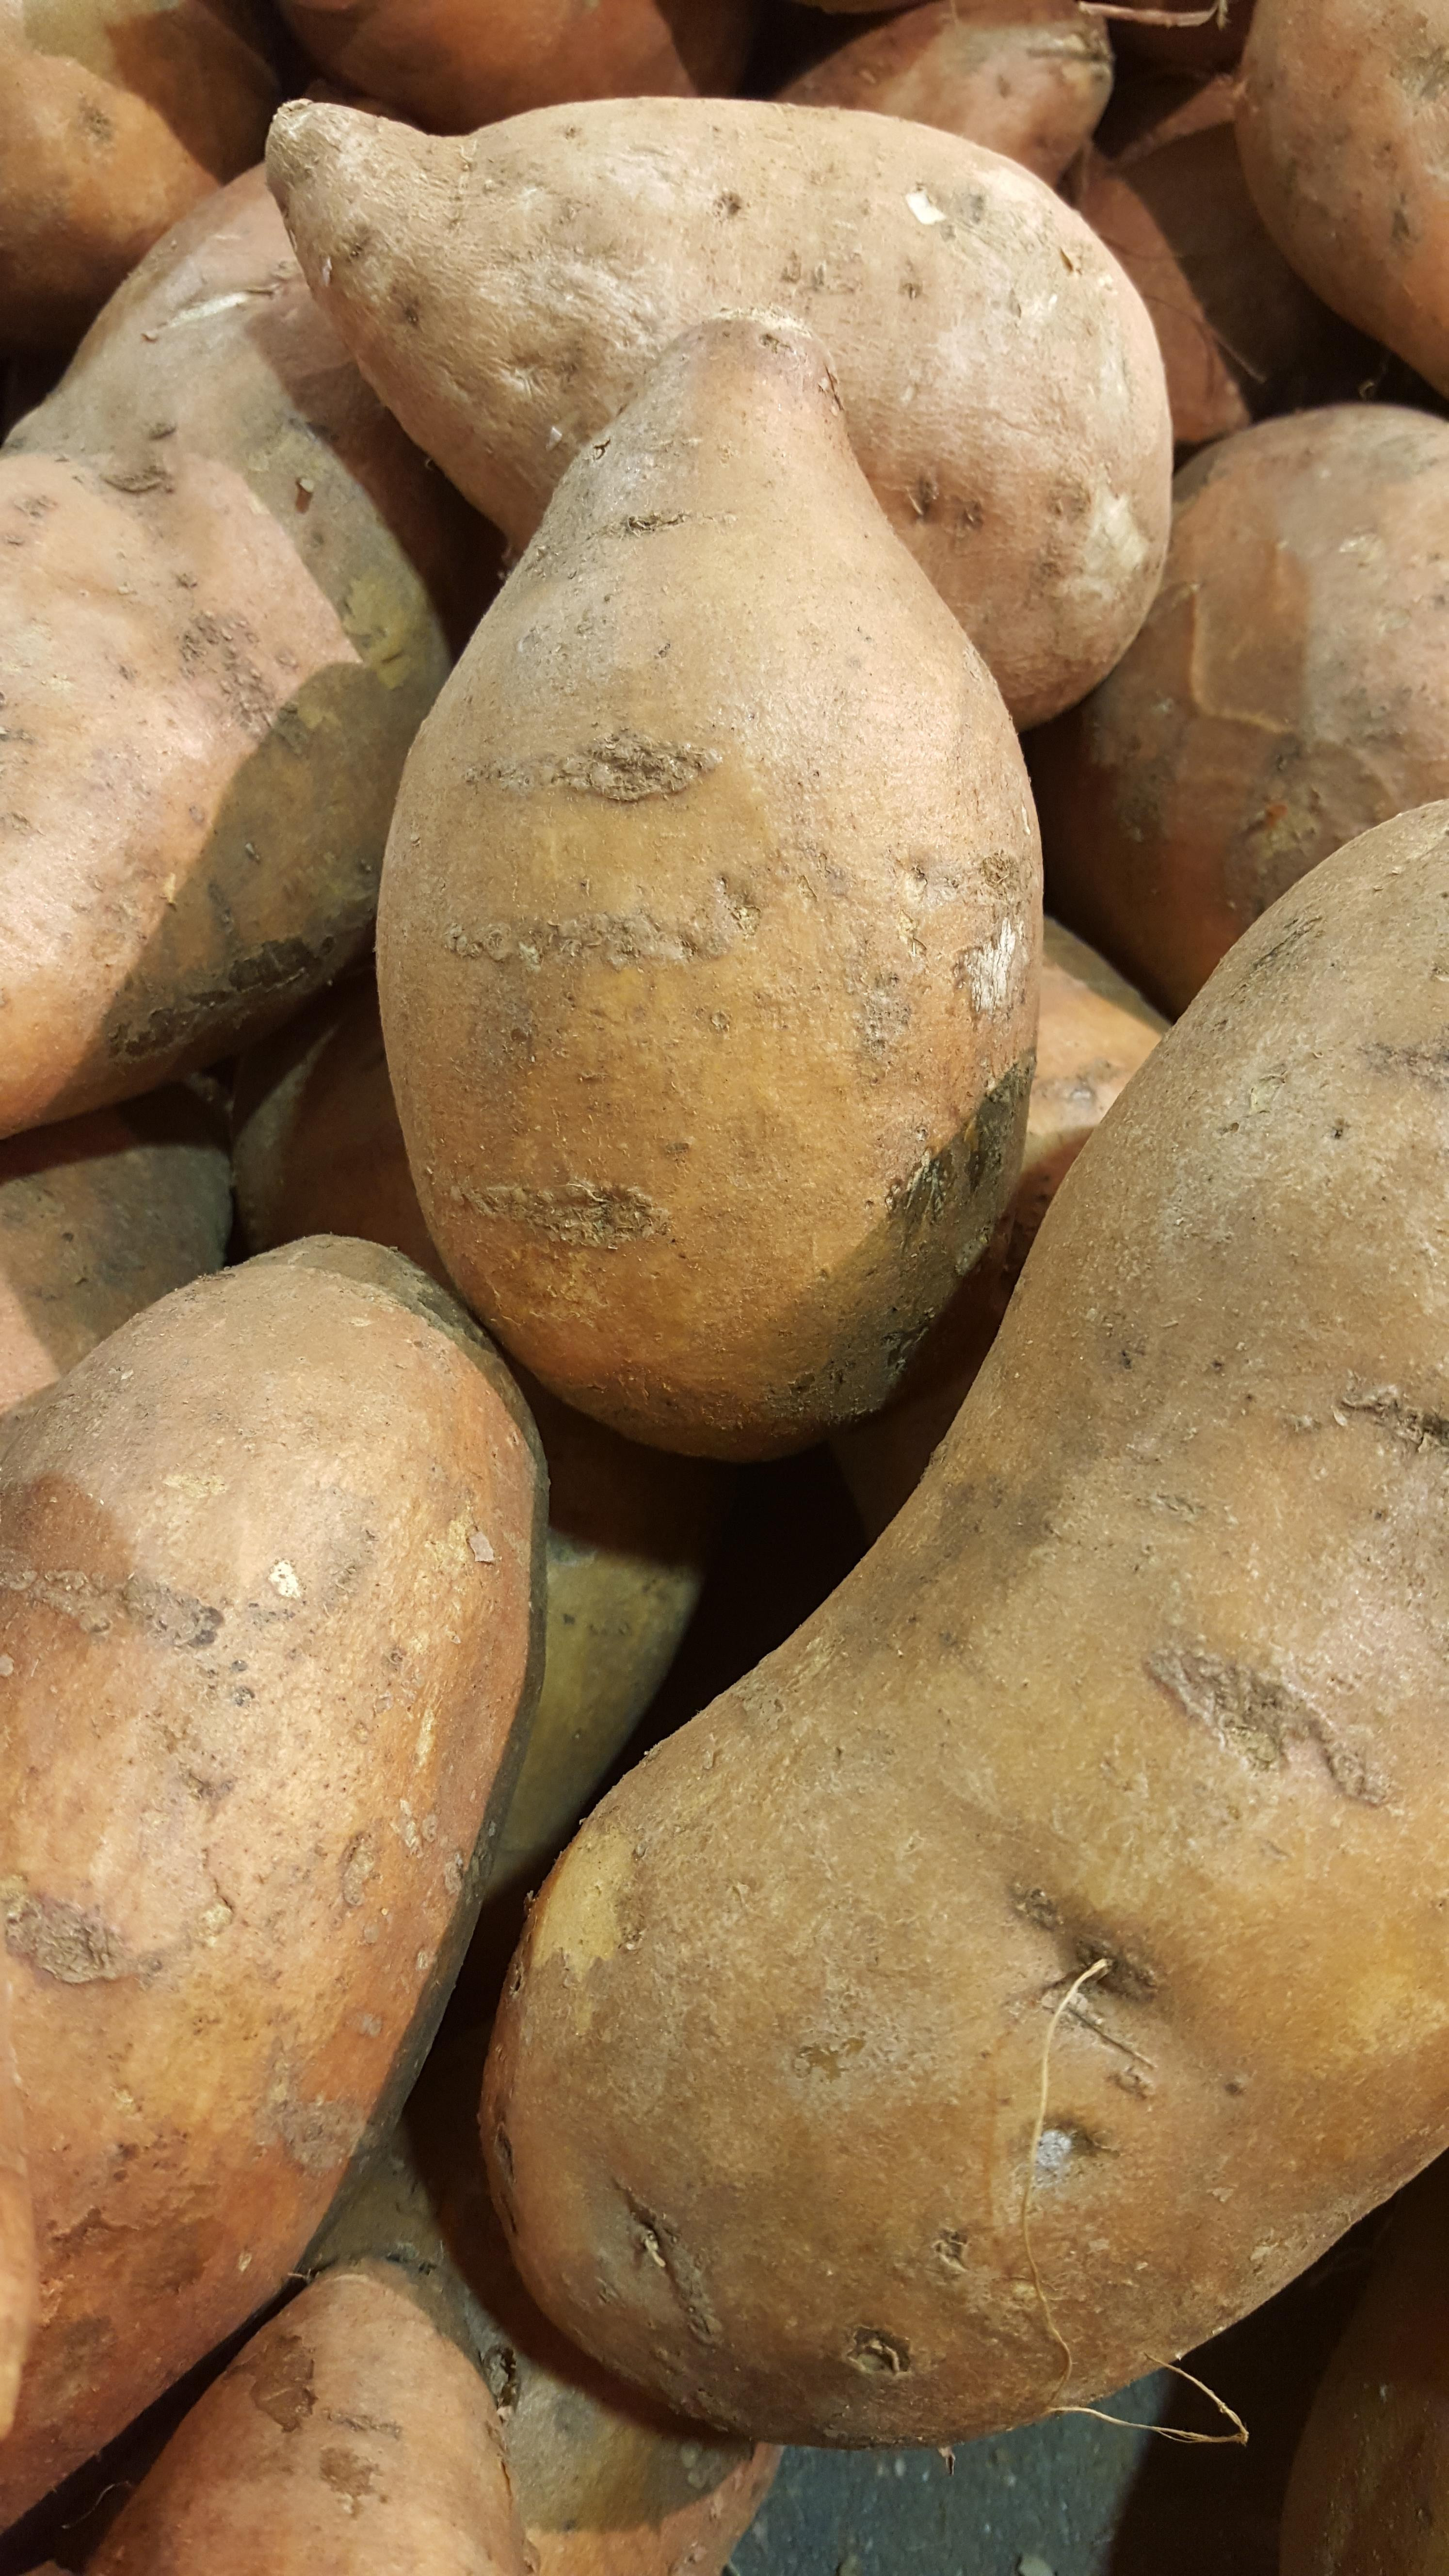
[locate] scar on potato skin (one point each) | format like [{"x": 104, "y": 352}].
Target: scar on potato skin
[{"x": 1259, "y": 1717}]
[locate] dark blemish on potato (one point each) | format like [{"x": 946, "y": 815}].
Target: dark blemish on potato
[
  {"x": 879, "y": 2355},
  {"x": 595, "y": 1216},
  {"x": 72, "y": 1945},
  {"x": 1259, "y": 1717},
  {"x": 349, "y": 2476},
  {"x": 1037, "y": 1907},
  {"x": 1412, "y": 1423},
  {"x": 174, "y": 1618},
  {"x": 623, "y": 767},
  {"x": 271, "y": 967},
  {"x": 949, "y": 2249},
  {"x": 729, "y": 204},
  {"x": 503, "y": 2146},
  {"x": 282, "y": 2382},
  {"x": 830, "y": 2062}
]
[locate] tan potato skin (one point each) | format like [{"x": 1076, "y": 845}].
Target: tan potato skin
[
  {"x": 19, "y": 2277},
  {"x": 1369, "y": 2492},
  {"x": 1343, "y": 124},
  {"x": 1025, "y": 77},
  {"x": 1289, "y": 690},
  {"x": 1001, "y": 381},
  {"x": 221, "y": 637},
  {"x": 607, "y": 2483},
  {"x": 98, "y": 1218},
  {"x": 1093, "y": 1031},
  {"x": 318, "y": 1150},
  {"x": 707, "y": 946},
  {"x": 349, "y": 2436},
  {"x": 261, "y": 1698},
  {"x": 451, "y": 65},
  {"x": 115, "y": 120},
  {"x": 1148, "y": 1672}
]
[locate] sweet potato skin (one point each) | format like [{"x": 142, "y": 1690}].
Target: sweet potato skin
[
  {"x": 1287, "y": 691},
  {"x": 19, "y": 2272},
  {"x": 1150, "y": 1662},
  {"x": 640, "y": 954},
  {"x": 549, "y": 262},
  {"x": 272, "y": 1548}
]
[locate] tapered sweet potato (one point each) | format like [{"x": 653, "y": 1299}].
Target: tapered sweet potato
[
  {"x": 451, "y": 65},
  {"x": 227, "y": 589},
  {"x": 1003, "y": 389},
  {"x": 18, "y": 2272},
  {"x": 267, "y": 1616},
  {"x": 1288, "y": 690},
  {"x": 1146, "y": 1681},
  {"x": 1025, "y": 77},
  {"x": 1369, "y": 2492},
  {"x": 98, "y": 1218},
  {"x": 1092, "y": 1034},
  {"x": 1343, "y": 123},
  {"x": 607, "y": 2484},
  {"x": 349, "y": 2435},
  {"x": 710, "y": 1034},
  {"x": 319, "y": 1150}
]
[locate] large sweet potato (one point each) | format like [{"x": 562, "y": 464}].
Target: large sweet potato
[
  {"x": 268, "y": 1561},
  {"x": 1148, "y": 1681},
  {"x": 1003, "y": 388}
]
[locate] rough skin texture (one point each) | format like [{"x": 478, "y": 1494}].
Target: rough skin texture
[
  {"x": 19, "y": 2282},
  {"x": 1343, "y": 124},
  {"x": 228, "y": 588},
  {"x": 98, "y": 1218},
  {"x": 1289, "y": 689},
  {"x": 451, "y": 64},
  {"x": 1093, "y": 1032},
  {"x": 349, "y": 2436},
  {"x": 1149, "y": 1672},
  {"x": 1025, "y": 77},
  {"x": 1004, "y": 393},
  {"x": 319, "y": 1150},
  {"x": 268, "y": 1632},
  {"x": 710, "y": 922},
  {"x": 115, "y": 120}
]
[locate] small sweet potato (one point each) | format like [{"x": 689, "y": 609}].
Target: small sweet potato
[{"x": 98, "y": 1218}]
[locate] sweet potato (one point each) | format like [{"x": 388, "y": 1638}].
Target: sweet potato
[
  {"x": 98, "y": 1218},
  {"x": 1025, "y": 77},
  {"x": 451, "y": 65},
  {"x": 710, "y": 1035},
  {"x": 1146, "y": 1686},
  {"x": 1369, "y": 2492},
  {"x": 1213, "y": 46},
  {"x": 114, "y": 122},
  {"x": 318, "y": 1150},
  {"x": 1092, "y": 1034},
  {"x": 1343, "y": 123},
  {"x": 1004, "y": 392},
  {"x": 267, "y": 1617},
  {"x": 348, "y": 2436},
  {"x": 607, "y": 2484},
  {"x": 228, "y": 584},
  {"x": 18, "y": 2272},
  {"x": 1287, "y": 691}
]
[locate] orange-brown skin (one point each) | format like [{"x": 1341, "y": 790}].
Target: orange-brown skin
[
  {"x": 1093, "y": 1032},
  {"x": 319, "y": 1150},
  {"x": 607, "y": 2483},
  {"x": 1369, "y": 2491},
  {"x": 348, "y": 2436},
  {"x": 1026, "y": 77},
  {"x": 267, "y": 1633},
  {"x": 708, "y": 940},
  {"x": 226, "y": 612},
  {"x": 98, "y": 1218},
  {"x": 1149, "y": 1672},
  {"x": 508, "y": 294},
  {"x": 451, "y": 65},
  {"x": 115, "y": 120},
  {"x": 1214, "y": 47},
  {"x": 1343, "y": 124},
  {"x": 1289, "y": 689},
  {"x": 19, "y": 2279}
]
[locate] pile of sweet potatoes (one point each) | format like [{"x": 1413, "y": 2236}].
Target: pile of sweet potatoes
[{"x": 557, "y": 634}]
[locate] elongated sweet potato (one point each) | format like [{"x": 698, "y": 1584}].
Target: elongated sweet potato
[
  {"x": 711, "y": 1037},
  {"x": 1343, "y": 123},
  {"x": 349, "y": 2435},
  {"x": 319, "y": 1150},
  {"x": 98, "y": 1218},
  {"x": 267, "y": 1615},
  {"x": 114, "y": 121},
  {"x": 508, "y": 294},
  {"x": 226, "y": 612},
  {"x": 1028, "y": 78},
  {"x": 19, "y": 2281},
  {"x": 1287, "y": 691},
  {"x": 451, "y": 65},
  {"x": 1114, "y": 1769}
]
